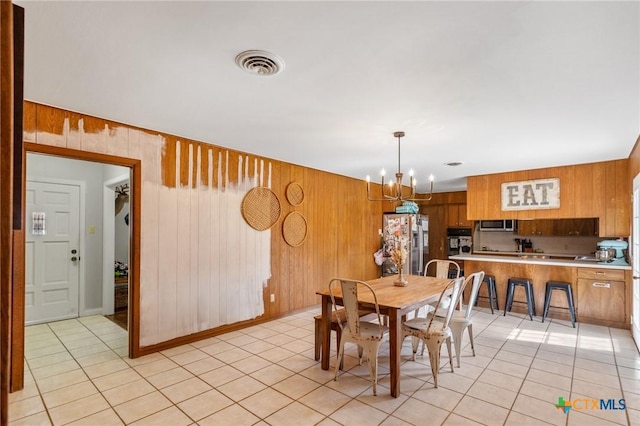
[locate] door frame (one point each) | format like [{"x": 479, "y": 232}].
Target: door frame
[
  {"x": 108, "y": 241},
  {"x": 18, "y": 285},
  {"x": 635, "y": 259},
  {"x": 81, "y": 223}
]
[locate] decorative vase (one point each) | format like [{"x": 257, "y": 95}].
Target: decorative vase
[{"x": 400, "y": 281}]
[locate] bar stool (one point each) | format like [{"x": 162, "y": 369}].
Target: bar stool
[
  {"x": 527, "y": 284},
  {"x": 490, "y": 281},
  {"x": 566, "y": 287}
]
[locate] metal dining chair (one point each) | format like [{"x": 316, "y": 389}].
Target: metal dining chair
[
  {"x": 461, "y": 320},
  {"x": 432, "y": 331},
  {"x": 367, "y": 335}
]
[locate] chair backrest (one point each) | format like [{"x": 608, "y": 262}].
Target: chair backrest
[
  {"x": 349, "y": 289},
  {"x": 442, "y": 268},
  {"x": 453, "y": 290},
  {"x": 477, "y": 278}
]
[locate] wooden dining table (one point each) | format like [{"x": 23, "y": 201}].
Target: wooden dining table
[{"x": 393, "y": 301}]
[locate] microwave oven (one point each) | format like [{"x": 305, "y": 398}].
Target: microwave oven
[{"x": 498, "y": 225}]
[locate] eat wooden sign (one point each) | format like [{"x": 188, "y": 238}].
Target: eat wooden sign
[{"x": 531, "y": 194}]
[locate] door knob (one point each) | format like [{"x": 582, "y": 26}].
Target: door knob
[{"x": 73, "y": 259}]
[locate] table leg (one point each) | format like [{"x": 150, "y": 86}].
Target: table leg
[
  {"x": 325, "y": 327},
  {"x": 395, "y": 346}
]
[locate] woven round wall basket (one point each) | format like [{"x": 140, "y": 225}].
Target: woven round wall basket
[
  {"x": 261, "y": 208},
  {"x": 295, "y": 194},
  {"x": 294, "y": 229}
]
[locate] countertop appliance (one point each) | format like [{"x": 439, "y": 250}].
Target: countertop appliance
[
  {"x": 612, "y": 252},
  {"x": 507, "y": 225},
  {"x": 413, "y": 228},
  {"x": 459, "y": 241}
]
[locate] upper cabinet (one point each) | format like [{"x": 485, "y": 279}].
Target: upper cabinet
[
  {"x": 575, "y": 227},
  {"x": 457, "y": 216},
  {"x": 558, "y": 227},
  {"x": 594, "y": 190}
]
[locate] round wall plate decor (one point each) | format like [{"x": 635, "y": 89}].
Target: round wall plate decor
[
  {"x": 261, "y": 208},
  {"x": 295, "y": 193},
  {"x": 294, "y": 229}
]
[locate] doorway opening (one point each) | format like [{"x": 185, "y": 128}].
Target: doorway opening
[
  {"x": 133, "y": 169},
  {"x": 70, "y": 269},
  {"x": 116, "y": 250}
]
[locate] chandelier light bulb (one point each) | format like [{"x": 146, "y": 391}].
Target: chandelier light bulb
[
  {"x": 368, "y": 178},
  {"x": 395, "y": 191}
]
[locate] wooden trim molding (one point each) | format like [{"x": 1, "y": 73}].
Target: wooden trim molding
[{"x": 6, "y": 199}]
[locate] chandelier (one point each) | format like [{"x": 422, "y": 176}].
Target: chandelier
[{"x": 393, "y": 191}]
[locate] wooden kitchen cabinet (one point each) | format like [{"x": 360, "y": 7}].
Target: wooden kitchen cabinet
[
  {"x": 437, "y": 230},
  {"x": 541, "y": 227},
  {"x": 598, "y": 190},
  {"x": 457, "y": 216},
  {"x": 558, "y": 227},
  {"x": 601, "y": 296},
  {"x": 575, "y": 227}
]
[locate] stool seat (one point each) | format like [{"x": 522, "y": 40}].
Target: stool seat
[
  {"x": 490, "y": 281},
  {"x": 527, "y": 283},
  {"x": 563, "y": 286}
]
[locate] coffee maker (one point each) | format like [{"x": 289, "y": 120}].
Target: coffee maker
[{"x": 612, "y": 252}]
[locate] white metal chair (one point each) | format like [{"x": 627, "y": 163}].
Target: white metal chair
[
  {"x": 462, "y": 319},
  {"x": 433, "y": 332},
  {"x": 440, "y": 269},
  {"x": 367, "y": 335}
]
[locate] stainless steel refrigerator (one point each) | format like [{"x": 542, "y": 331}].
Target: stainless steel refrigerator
[{"x": 414, "y": 228}]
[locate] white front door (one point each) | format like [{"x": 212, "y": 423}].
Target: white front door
[
  {"x": 635, "y": 250},
  {"x": 52, "y": 258}
]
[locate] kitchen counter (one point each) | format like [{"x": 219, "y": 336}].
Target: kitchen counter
[
  {"x": 602, "y": 291},
  {"x": 536, "y": 259}
]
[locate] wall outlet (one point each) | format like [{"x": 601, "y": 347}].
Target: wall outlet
[{"x": 273, "y": 297}]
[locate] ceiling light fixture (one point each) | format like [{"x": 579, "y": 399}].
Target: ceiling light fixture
[{"x": 394, "y": 191}]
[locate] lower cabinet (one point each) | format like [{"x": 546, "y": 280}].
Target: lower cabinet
[{"x": 601, "y": 295}]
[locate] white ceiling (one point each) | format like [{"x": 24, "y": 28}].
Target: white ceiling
[{"x": 498, "y": 86}]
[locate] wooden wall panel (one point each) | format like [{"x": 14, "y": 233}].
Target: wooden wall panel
[
  {"x": 589, "y": 190},
  {"x": 50, "y": 126},
  {"x": 634, "y": 161},
  {"x": 180, "y": 256},
  {"x": 29, "y": 121}
]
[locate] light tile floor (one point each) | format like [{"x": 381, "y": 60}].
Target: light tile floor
[{"x": 77, "y": 372}]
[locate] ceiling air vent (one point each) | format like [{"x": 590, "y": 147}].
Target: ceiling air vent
[{"x": 259, "y": 62}]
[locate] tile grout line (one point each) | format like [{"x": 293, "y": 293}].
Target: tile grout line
[{"x": 615, "y": 359}]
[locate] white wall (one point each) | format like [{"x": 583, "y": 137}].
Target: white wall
[
  {"x": 121, "y": 232},
  {"x": 201, "y": 264},
  {"x": 92, "y": 174}
]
